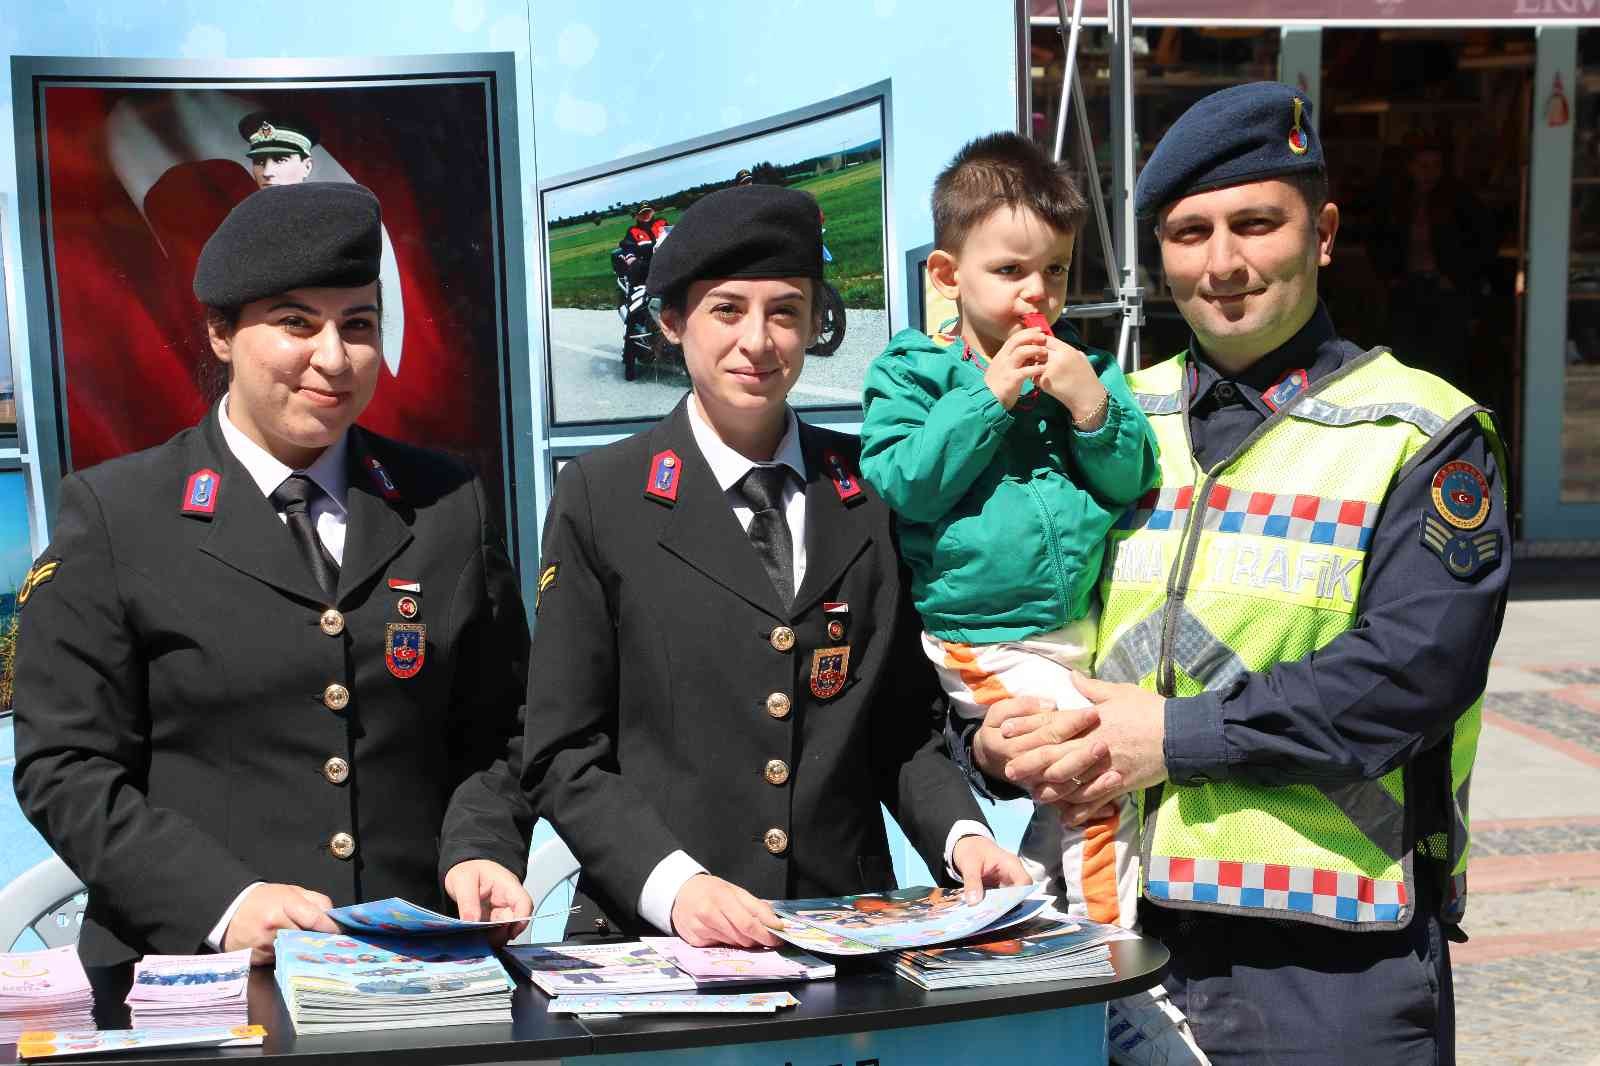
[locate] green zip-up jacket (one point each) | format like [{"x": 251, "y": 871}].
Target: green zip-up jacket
[{"x": 1003, "y": 514}]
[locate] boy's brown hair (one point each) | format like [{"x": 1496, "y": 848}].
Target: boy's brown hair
[{"x": 1003, "y": 170}]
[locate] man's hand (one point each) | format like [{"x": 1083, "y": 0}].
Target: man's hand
[
  {"x": 1133, "y": 729},
  {"x": 710, "y": 911},
  {"x": 1020, "y": 725},
  {"x": 1020, "y": 358},
  {"x": 1069, "y": 377},
  {"x": 984, "y": 864},
  {"x": 269, "y": 907},
  {"x": 485, "y": 891}
]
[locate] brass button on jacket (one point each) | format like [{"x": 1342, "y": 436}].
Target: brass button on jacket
[
  {"x": 782, "y": 638},
  {"x": 336, "y": 770},
  {"x": 778, "y": 705},
  {"x": 777, "y": 772},
  {"x": 332, "y": 622},
  {"x": 336, "y": 697},
  {"x": 776, "y": 840},
  {"x": 343, "y": 845}
]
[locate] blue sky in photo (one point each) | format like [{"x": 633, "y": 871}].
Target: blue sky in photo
[
  {"x": 850, "y": 129},
  {"x": 15, "y": 555}
]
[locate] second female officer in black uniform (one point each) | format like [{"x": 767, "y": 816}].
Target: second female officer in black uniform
[
  {"x": 274, "y": 664},
  {"x": 727, "y": 678}
]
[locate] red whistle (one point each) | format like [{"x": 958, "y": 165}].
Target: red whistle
[{"x": 1035, "y": 320}]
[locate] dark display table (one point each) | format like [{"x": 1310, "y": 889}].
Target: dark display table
[{"x": 866, "y": 1015}]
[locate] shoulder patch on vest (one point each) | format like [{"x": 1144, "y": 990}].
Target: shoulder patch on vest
[
  {"x": 39, "y": 573},
  {"x": 1461, "y": 494},
  {"x": 1464, "y": 553}
]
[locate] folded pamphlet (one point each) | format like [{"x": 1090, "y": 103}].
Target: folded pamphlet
[
  {"x": 670, "y": 1003},
  {"x": 903, "y": 918},
  {"x": 398, "y": 917},
  {"x": 598, "y": 969},
  {"x": 48, "y": 1043}
]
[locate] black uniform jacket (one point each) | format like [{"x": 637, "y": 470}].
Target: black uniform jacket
[
  {"x": 667, "y": 711},
  {"x": 175, "y": 732}
]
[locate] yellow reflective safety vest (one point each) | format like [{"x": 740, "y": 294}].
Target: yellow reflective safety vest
[{"x": 1259, "y": 560}]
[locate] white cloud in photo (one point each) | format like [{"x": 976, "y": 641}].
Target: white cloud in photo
[
  {"x": 584, "y": 117},
  {"x": 883, "y": 8},
  {"x": 577, "y": 45},
  {"x": 509, "y": 34},
  {"x": 204, "y": 41},
  {"x": 468, "y": 15}
]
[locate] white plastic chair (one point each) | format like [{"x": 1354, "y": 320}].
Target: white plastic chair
[
  {"x": 552, "y": 871},
  {"x": 48, "y": 899}
]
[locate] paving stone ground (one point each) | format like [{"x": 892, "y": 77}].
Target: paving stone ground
[{"x": 1528, "y": 982}]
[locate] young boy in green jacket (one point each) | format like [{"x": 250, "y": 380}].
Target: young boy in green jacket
[{"x": 1008, "y": 451}]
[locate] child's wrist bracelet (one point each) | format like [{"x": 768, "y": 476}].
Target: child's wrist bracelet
[{"x": 1097, "y": 417}]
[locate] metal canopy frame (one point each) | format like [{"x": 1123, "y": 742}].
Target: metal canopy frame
[{"x": 1118, "y": 227}]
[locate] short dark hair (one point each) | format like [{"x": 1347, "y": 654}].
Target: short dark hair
[
  {"x": 1003, "y": 170},
  {"x": 1313, "y": 189}
]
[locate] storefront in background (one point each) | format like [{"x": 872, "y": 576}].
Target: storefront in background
[{"x": 1464, "y": 153}]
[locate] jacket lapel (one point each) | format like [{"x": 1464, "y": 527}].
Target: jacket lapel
[
  {"x": 835, "y": 532},
  {"x": 375, "y": 532},
  {"x": 703, "y": 531},
  {"x": 246, "y": 533}
]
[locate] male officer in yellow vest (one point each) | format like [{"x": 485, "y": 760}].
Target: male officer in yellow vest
[{"x": 1295, "y": 634}]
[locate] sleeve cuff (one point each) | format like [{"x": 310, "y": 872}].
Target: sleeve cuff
[
  {"x": 661, "y": 889},
  {"x": 1105, "y": 434},
  {"x": 964, "y": 828},
  {"x": 219, "y": 932},
  {"x": 959, "y": 739},
  {"x": 1193, "y": 746}
]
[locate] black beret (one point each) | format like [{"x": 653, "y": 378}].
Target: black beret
[
  {"x": 267, "y": 132},
  {"x": 747, "y": 231},
  {"x": 316, "y": 233},
  {"x": 1244, "y": 133}
]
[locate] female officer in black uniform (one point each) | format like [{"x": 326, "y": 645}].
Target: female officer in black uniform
[
  {"x": 728, "y": 675},
  {"x": 273, "y": 664}
]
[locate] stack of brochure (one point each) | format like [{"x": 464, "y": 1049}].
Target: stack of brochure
[
  {"x": 717, "y": 967},
  {"x": 598, "y": 969},
  {"x": 904, "y": 918},
  {"x": 345, "y": 982},
  {"x": 181, "y": 991},
  {"x": 43, "y": 990},
  {"x": 1042, "y": 950}
]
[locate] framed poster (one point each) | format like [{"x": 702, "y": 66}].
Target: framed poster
[
  {"x": 837, "y": 150},
  {"x": 129, "y": 165}
]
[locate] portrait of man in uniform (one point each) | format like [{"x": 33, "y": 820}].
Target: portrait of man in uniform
[{"x": 279, "y": 147}]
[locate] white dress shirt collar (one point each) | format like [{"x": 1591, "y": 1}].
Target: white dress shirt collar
[
  {"x": 728, "y": 466},
  {"x": 328, "y": 471}
]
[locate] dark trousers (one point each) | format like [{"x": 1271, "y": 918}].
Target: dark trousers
[{"x": 1260, "y": 991}]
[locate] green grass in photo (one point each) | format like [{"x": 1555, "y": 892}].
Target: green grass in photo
[{"x": 852, "y": 202}]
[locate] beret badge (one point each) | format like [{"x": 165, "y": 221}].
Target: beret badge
[
  {"x": 1298, "y": 142},
  {"x": 265, "y": 133}
]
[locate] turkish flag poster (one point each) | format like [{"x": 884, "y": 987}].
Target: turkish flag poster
[{"x": 136, "y": 174}]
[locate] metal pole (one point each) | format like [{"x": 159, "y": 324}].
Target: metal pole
[
  {"x": 1125, "y": 224},
  {"x": 1069, "y": 72}
]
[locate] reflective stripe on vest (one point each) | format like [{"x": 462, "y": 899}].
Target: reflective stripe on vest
[{"x": 1261, "y": 563}]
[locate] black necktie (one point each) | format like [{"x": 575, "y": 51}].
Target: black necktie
[
  {"x": 292, "y": 498},
  {"x": 769, "y": 529}
]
